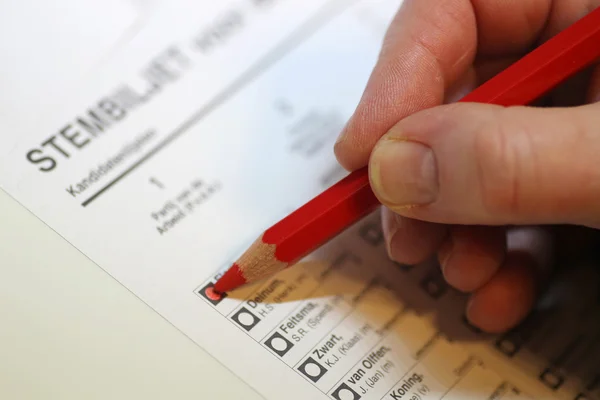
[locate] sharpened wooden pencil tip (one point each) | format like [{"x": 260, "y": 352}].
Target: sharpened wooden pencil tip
[
  {"x": 256, "y": 263},
  {"x": 231, "y": 280}
]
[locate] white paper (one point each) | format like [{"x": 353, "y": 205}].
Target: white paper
[
  {"x": 48, "y": 47},
  {"x": 214, "y": 121}
]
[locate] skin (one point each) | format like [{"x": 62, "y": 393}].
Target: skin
[{"x": 500, "y": 195}]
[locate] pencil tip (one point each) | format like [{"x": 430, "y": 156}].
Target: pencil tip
[{"x": 231, "y": 280}]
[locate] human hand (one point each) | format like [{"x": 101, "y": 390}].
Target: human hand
[{"x": 482, "y": 186}]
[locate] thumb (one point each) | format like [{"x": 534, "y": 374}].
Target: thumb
[{"x": 482, "y": 164}]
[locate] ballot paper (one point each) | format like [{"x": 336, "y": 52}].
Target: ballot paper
[
  {"x": 210, "y": 123},
  {"x": 48, "y": 46}
]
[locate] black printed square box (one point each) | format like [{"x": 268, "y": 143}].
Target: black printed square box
[
  {"x": 345, "y": 392},
  {"x": 312, "y": 369},
  {"x": 371, "y": 234},
  {"x": 207, "y": 293},
  {"x": 434, "y": 285},
  {"x": 551, "y": 378},
  {"x": 244, "y": 318},
  {"x": 279, "y": 344},
  {"x": 510, "y": 344}
]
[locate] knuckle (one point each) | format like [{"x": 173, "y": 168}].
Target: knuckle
[{"x": 505, "y": 161}]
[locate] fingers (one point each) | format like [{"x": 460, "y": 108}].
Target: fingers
[
  {"x": 409, "y": 241},
  {"x": 508, "y": 297},
  {"x": 476, "y": 75},
  {"x": 510, "y": 26},
  {"x": 593, "y": 93},
  {"x": 429, "y": 46},
  {"x": 475, "y": 164},
  {"x": 563, "y": 14},
  {"x": 471, "y": 255}
]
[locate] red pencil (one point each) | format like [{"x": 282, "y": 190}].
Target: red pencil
[{"x": 351, "y": 199}]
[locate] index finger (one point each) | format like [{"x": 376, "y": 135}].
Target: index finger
[{"x": 429, "y": 46}]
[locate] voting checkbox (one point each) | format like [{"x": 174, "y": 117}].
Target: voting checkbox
[
  {"x": 371, "y": 234},
  {"x": 345, "y": 392},
  {"x": 279, "y": 344},
  {"x": 245, "y": 319},
  {"x": 208, "y": 293},
  {"x": 434, "y": 286},
  {"x": 552, "y": 378},
  {"x": 312, "y": 369},
  {"x": 509, "y": 344}
]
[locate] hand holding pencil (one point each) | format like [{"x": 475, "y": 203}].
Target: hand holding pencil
[
  {"x": 453, "y": 177},
  {"x": 495, "y": 191}
]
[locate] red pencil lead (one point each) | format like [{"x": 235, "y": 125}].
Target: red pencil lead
[{"x": 230, "y": 280}]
